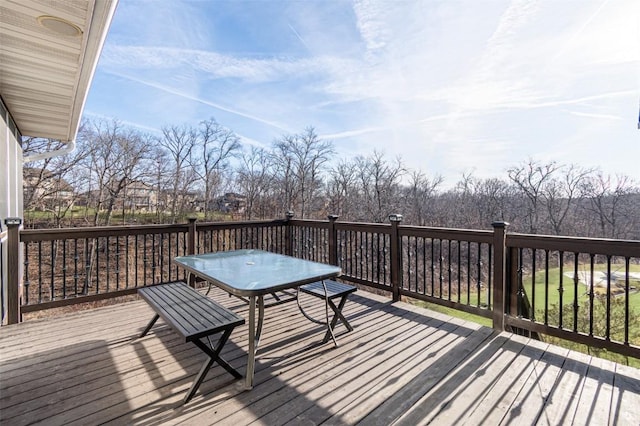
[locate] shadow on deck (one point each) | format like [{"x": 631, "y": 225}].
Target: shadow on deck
[{"x": 402, "y": 364}]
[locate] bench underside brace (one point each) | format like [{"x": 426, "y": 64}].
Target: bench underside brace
[
  {"x": 214, "y": 356},
  {"x": 328, "y": 290},
  {"x": 213, "y": 352}
]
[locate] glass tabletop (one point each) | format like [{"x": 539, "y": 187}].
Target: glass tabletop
[{"x": 255, "y": 272}]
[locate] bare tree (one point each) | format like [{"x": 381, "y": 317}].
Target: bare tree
[
  {"x": 299, "y": 161},
  {"x": 117, "y": 157},
  {"x": 559, "y": 194},
  {"x": 614, "y": 202},
  {"x": 215, "y": 146},
  {"x": 380, "y": 186},
  {"x": 179, "y": 142},
  {"x": 253, "y": 179},
  {"x": 159, "y": 171},
  {"x": 494, "y": 201},
  {"x": 342, "y": 190},
  {"x": 531, "y": 177},
  {"x": 420, "y": 193}
]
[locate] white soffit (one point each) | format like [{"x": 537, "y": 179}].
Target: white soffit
[{"x": 48, "y": 54}]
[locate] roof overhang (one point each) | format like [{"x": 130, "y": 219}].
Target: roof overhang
[{"x": 48, "y": 55}]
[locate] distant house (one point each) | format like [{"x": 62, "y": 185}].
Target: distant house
[
  {"x": 44, "y": 190},
  {"x": 136, "y": 196},
  {"x": 231, "y": 202},
  {"x": 187, "y": 200},
  {"x": 140, "y": 196}
]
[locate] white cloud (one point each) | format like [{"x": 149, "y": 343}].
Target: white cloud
[
  {"x": 447, "y": 85},
  {"x": 189, "y": 96}
]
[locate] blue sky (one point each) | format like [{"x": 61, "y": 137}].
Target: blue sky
[{"x": 456, "y": 86}]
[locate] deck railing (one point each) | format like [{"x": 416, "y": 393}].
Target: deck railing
[{"x": 579, "y": 289}]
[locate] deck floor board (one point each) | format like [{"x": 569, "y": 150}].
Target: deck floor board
[{"x": 401, "y": 365}]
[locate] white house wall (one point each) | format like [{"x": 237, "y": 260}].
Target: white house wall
[{"x": 10, "y": 190}]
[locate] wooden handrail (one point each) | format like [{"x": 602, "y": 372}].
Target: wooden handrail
[{"x": 391, "y": 257}]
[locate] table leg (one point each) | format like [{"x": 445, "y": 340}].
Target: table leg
[{"x": 254, "y": 336}]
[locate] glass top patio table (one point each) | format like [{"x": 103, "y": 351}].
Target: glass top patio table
[{"x": 255, "y": 272}]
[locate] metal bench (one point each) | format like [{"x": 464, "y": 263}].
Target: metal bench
[
  {"x": 334, "y": 290},
  {"x": 194, "y": 317}
]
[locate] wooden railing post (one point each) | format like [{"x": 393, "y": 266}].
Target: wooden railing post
[
  {"x": 191, "y": 239},
  {"x": 396, "y": 260},
  {"x": 499, "y": 273},
  {"x": 14, "y": 298},
  {"x": 191, "y": 246},
  {"x": 333, "y": 239},
  {"x": 288, "y": 240}
]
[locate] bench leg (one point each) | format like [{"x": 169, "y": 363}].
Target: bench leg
[
  {"x": 214, "y": 356},
  {"x": 337, "y": 311},
  {"x": 151, "y": 323}
]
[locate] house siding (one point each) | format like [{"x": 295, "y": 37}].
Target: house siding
[{"x": 10, "y": 190}]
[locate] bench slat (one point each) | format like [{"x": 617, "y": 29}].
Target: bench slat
[
  {"x": 188, "y": 312},
  {"x": 197, "y": 310},
  {"x": 334, "y": 289}
]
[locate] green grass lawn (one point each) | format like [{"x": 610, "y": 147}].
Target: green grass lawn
[
  {"x": 568, "y": 288},
  {"x": 538, "y": 288}
]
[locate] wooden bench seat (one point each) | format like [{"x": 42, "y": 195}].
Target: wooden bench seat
[
  {"x": 193, "y": 316},
  {"x": 334, "y": 290}
]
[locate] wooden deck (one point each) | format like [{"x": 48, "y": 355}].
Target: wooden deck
[{"x": 402, "y": 364}]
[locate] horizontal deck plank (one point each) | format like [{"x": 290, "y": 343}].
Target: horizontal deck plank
[{"x": 402, "y": 364}]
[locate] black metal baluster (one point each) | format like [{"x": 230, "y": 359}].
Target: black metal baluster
[
  {"x": 575, "y": 292},
  {"x": 449, "y": 270},
  {"x": 154, "y": 261},
  {"x": 520, "y": 292},
  {"x": 479, "y": 281},
  {"x": 408, "y": 249},
  {"x": 468, "y": 273},
  {"x": 440, "y": 266},
  {"x": 27, "y": 274},
  {"x": 433, "y": 268},
  {"x": 459, "y": 245},
  {"x": 126, "y": 261},
  {"x": 627, "y": 272},
  {"x": 424, "y": 265},
  {"x": 591, "y": 292},
  {"x": 76, "y": 257},
  {"x": 107, "y": 252},
  {"x": 546, "y": 287},
  {"x": 87, "y": 266},
  {"x": 136, "y": 261},
  {"x": 145, "y": 260},
  {"x": 533, "y": 285},
  {"x": 489, "y": 275},
  {"x": 64, "y": 269},
  {"x": 608, "y": 325},
  {"x": 97, "y": 265},
  {"x": 52, "y": 289},
  {"x": 40, "y": 272},
  {"x": 379, "y": 258},
  {"x": 560, "y": 287},
  {"x": 161, "y": 255}
]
